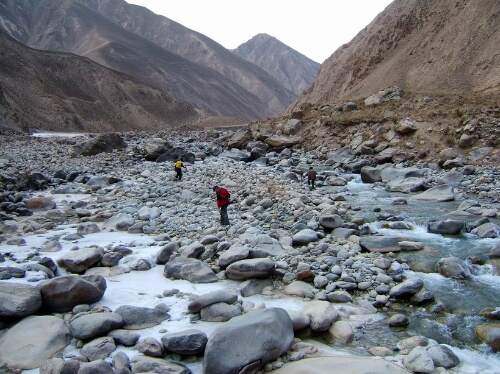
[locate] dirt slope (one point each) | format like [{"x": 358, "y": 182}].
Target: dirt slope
[
  {"x": 422, "y": 46},
  {"x": 65, "y": 92}
]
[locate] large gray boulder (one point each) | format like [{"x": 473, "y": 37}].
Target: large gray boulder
[
  {"x": 189, "y": 269},
  {"x": 304, "y": 237},
  {"x": 80, "y": 260},
  {"x": 32, "y": 341},
  {"x": 278, "y": 142},
  {"x": 406, "y": 289},
  {"x": 188, "y": 342},
  {"x": 220, "y": 296},
  {"x": 406, "y": 185},
  {"x": 86, "y": 326},
  {"x": 248, "y": 341},
  {"x": 233, "y": 254},
  {"x": 263, "y": 245},
  {"x": 104, "y": 143},
  {"x": 331, "y": 222},
  {"x": 98, "y": 349},
  {"x": 446, "y": 227},
  {"x": 371, "y": 174},
  {"x": 18, "y": 300},
  {"x": 220, "y": 312},
  {"x": 321, "y": 314},
  {"x": 137, "y": 318},
  {"x": 390, "y": 173},
  {"x": 61, "y": 294},
  {"x": 341, "y": 364},
  {"x": 251, "y": 268},
  {"x": 487, "y": 230},
  {"x": 453, "y": 267},
  {"x": 141, "y": 364},
  {"x": 439, "y": 193},
  {"x": 380, "y": 244}
]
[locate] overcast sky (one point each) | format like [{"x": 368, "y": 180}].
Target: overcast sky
[{"x": 315, "y": 28}]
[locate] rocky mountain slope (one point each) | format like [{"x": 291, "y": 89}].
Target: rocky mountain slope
[
  {"x": 200, "y": 49},
  {"x": 291, "y": 68},
  {"x": 60, "y": 91},
  {"x": 73, "y": 27},
  {"x": 424, "y": 46}
]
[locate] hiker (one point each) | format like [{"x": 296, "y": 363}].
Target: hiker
[
  {"x": 223, "y": 201},
  {"x": 178, "y": 169},
  {"x": 311, "y": 178}
]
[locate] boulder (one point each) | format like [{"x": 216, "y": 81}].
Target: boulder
[
  {"x": 233, "y": 254},
  {"x": 248, "y": 341},
  {"x": 239, "y": 139},
  {"x": 419, "y": 361},
  {"x": 220, "y": 312},
  {"x": 186, "y": 343},
  {"x": 380, "y": 244},
  {"x": 487, "y": 230},
  {"x": 371, "y": 174},
  {"x": 60, "y": 366},
  {"x": 331, "y": 222},
  {"x": 189, "y": 269},
  {"x": 489, "y": 333},
  {"x": 98, "y": 349},
  {"x": 406, "y": 185},
  {"x": 87, "y": 228},
  {"x": 137, "y": 318},
  {"x": 263, "y": 245},
  {"x": 121, "y": 222},
  {"x": 150, "y": 347},
  {"x": 86, "y": 326},
  {"x": 342, "y": 332},
  {"x": 166, "y": 253},
  {"x": 300, "y": 289},
  {"x": 341, "y": 364},
  {"x": 32, "y": 341},
  {"x": 124, "y": 337},
  {"x": 442, "y": 356},
  {"x": 391, "y": 173},
  {"x": 304, "y": 237},
  {"x": 439, "y": 193},
  {"x": 254, "y": 286},
  {"x": 406, "y": 289},
  {"x": 18, "y": 300},
  {"x": 11, "y": 272},
  {"x": 80, "y": 260},
  {"x": 103, "y": 143},
  {"x": 194, "y": 250},
  {"x": 453, "y": 267},
  {"x": 278, "y": 142},
  {"x": 321, "y": 314},
  {"x": 251, "y": 268},
  {"x": 446, "y": 227},
  {"x": 409, "y": 246},
  {"x": 61, "y": 294},
  {"x": 220, "y": 296},
  {"x": 95, "y": 367},
  {"x": 237, "y": 155},
  {"x": 157, "y": 365}
]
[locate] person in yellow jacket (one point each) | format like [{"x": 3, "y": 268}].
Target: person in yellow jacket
[{"x": 178, "y": 169}]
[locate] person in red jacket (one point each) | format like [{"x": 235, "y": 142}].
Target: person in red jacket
[{"x": 223, "y": 201}]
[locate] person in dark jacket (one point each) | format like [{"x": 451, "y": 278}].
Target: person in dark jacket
[
  {"x": 311, "y": 178},
  {"x": 223, "y": 201}
]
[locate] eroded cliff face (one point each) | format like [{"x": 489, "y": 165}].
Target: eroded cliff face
[{"x": 423, "y": 46}]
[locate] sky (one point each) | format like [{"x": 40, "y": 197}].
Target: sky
[{"x": 315, "y": 28}]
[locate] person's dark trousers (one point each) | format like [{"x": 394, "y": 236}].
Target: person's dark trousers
[
  {"x": 179, "y": 173},
  {"x": 312, "y": 183},
  {"x": 224, "y": 218}
]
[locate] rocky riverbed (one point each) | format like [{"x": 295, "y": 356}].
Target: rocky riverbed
[{"x": 107, "y": 264}]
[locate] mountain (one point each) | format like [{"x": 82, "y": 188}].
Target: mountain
[
  {"x": 291, "y": 68},
  {"x": 200, "y": 49},
  {"x": 71, "y": 26},
  {"x": 423, "y": 46},
  {"x": 61, "y": 91}
]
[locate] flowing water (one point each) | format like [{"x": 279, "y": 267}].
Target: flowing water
[{"x": 464, "y": 299}]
